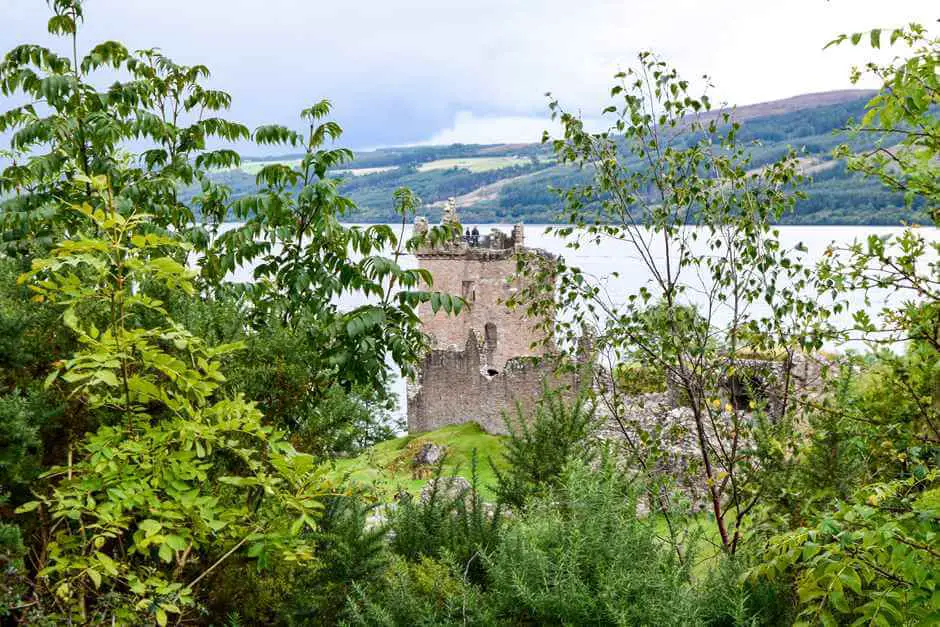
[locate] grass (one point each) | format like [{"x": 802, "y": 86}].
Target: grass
[
  {"x": 387, "y": 466},
  {"x": 474, "y": 164}
]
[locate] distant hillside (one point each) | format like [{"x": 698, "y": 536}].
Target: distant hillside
[
  {"x": 803, "y": 102},
  {"x": 513, "y": 182}
]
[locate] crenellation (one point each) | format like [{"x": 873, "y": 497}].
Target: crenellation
[{"x": 489, "y": 358}]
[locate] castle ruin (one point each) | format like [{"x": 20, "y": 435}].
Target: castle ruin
[{"x": 487, "y": 359}]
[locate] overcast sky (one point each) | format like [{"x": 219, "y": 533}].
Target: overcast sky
[{"x": 441, "y": 71}]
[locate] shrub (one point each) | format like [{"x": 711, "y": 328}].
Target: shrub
[
  {"x": 428, "y": 592},
  {"x": 581, "y": 556},
  {"x": 457, "y": 524},
  {"x": 540, "y": 447}
]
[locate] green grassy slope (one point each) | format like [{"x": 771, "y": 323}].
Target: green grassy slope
[{"x": 387, "y": 467}]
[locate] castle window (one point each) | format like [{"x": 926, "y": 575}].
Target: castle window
[
  {"x": 468, "y": 293},
  {"x": 489, "y": 336}
]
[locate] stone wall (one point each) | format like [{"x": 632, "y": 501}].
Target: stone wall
[
  {"x": 454, "y": 387},
  {"x": 483, "y": 277}
]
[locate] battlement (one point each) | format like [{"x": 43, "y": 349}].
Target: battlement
[
  {"x": 458, "y": 386},
  {"x": 485, "y": 359}
]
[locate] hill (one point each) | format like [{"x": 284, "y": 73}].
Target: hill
[
  {"x": 387, "y": 467},
  {"x": 513, "y": 182}
]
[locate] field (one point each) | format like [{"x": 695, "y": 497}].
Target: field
[
  {"x": 253, "y": 167},
  {"x": 474, "y": 164}
]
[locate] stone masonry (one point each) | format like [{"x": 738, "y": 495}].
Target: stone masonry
[
  {"x": 488, "y": 358},
  {"x": 454, "y": 387},
  {"x": 482, "y": 276}
]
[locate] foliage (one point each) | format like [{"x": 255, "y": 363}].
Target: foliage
[
  {"x": 20, "y": 444},
  {"x": 424, "y": 593},
  {"x": 541, "y": 446},
  {"x": 727, "y": 597},
  {"x": 68, "y": 127},
  {"x": 448, "y": 522},
  {"x": 275, "y": 369},
  {"x": 872, "y": 559},
  {"x": 665, "y": 164},
  {"x": 179, "y": 478},
  {"x": 13, "y": 582},
  {"x": 903, "y": 116},
  {"x": 306, "y": 260},
  {"x": 352, "y": 549},
  {"x": 869, "y": 557},
  {"x": 581, "y": 556}
]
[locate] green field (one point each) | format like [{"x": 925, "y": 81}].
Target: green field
[
  {"x": 253, "y": 167},
  {"x": 387, "y": 467},
  {"x": 474, "y": 164}
]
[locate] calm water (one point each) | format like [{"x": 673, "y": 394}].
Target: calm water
[{"x": 601, "y": 260}]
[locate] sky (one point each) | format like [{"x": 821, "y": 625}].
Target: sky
[{"x": 403, "y": 72}]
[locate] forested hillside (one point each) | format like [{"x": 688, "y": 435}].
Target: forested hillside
[{"x": 513, "y": 182}]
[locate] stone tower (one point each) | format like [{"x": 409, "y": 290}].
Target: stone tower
[
  {"x": 480, "y": 365},
  {"x": 480, "y": 271}
]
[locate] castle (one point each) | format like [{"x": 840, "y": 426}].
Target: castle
[
  {"x": 490, "y": 359},
  {"x": 486, "y": 360}
]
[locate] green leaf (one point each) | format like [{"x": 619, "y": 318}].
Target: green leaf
[
  {"x": 108, "y": 378},
  {"x": 25, "y": 508},
  {"x": 150, "y": 527},
  {"x": 95, "y": 576},
  {"x": 850, "y": 578}
]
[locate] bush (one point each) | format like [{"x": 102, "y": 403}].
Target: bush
[
  {"x": 581, "y": 556},
  {"x": 727, "y": 598},
  {"x": 351, "y": 553},
  {"x": 539, "y": 448},
  {"x": 428, "y": 592},
  {"x": 446, "y": 523}
]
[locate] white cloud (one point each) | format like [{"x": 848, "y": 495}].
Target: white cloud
[
  {"x": 401, "y": 71},
  {"x": 471, "y": 129}
]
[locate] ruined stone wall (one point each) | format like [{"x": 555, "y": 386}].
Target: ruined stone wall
[
  {"x": 453, "y": 388},
  {"x": 483, "y": 277}
]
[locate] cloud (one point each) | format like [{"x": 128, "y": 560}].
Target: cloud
[
  {"x": 409, "y": 70},
  {"x": 471, "y": 129}
]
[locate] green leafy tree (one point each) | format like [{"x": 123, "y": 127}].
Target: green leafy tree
[
  {"x": 902, "y": 116},
  {"x": 870, "y": 557},
  {"x": 307, "y": 261},
  {"x": 179, "y": 480},
  {"x": 71, "y": 127},
  {"x": 675, "y": 189}
]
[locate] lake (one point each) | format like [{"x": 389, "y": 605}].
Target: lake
[{"x": 600, "y": 261}]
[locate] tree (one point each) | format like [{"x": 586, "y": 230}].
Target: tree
[
  {"x": 180, "y": 479},
  {"x": 71, "y": 127},
  {"x": 872, "y": 557},
  {"x": 673, "y": 186}
]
